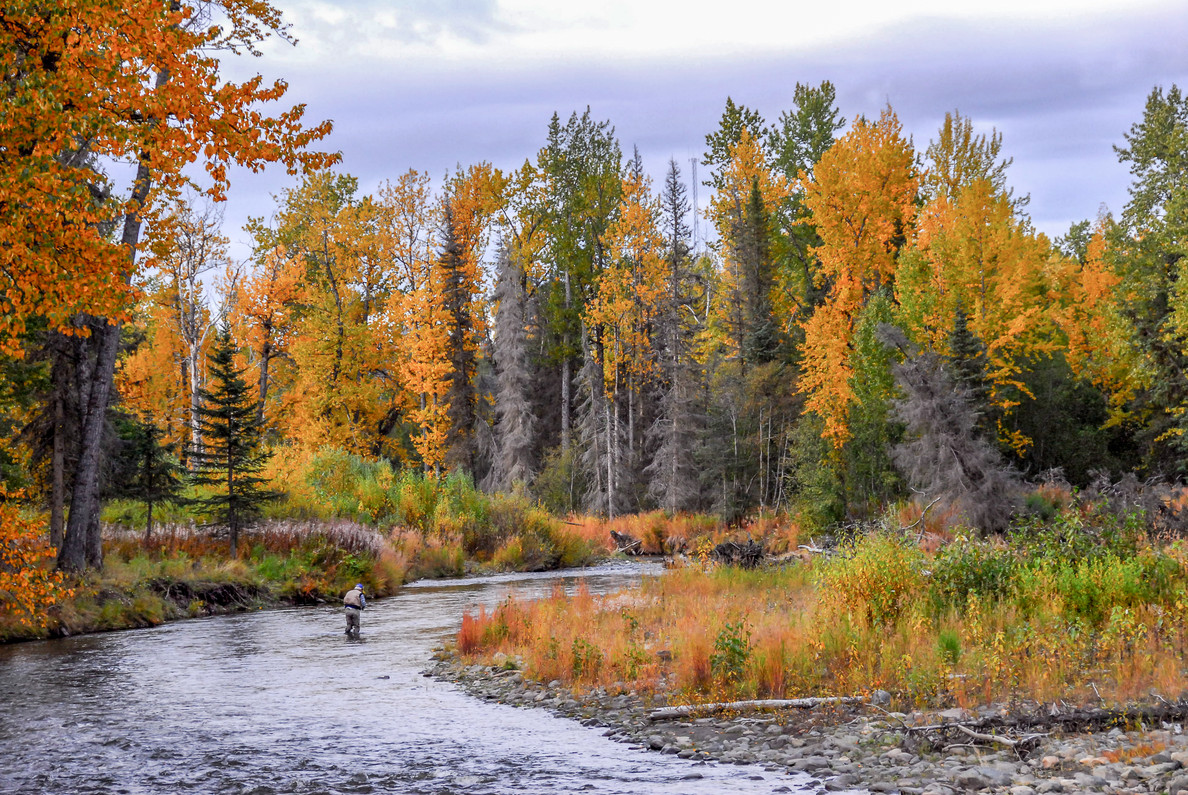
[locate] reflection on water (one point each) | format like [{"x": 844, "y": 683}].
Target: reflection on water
[{"x": 281, "y": 702}]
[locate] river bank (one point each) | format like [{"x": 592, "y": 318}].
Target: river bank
[{"x": 855, "y": 747}]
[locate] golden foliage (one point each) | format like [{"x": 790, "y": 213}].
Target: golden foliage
[{"x": 861, "y": 196}]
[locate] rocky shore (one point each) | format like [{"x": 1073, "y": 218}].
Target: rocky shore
[{"x": 858, "y": 747}]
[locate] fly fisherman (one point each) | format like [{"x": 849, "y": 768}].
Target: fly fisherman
[{"x": 353, "y": 604}]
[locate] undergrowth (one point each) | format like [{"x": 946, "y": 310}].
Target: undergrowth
[{"x": 1071, "y": 607}]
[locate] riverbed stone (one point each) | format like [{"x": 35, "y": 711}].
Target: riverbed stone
[{"x": 865, "y": 750}]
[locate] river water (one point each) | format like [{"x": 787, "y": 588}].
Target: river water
[{"x": 280, "y": 701}]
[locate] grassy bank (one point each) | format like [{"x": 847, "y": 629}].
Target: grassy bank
[
  {"x": 1073, "y": 607},
  {"x": 182, "y": 572}
]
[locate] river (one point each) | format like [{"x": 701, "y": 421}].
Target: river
[{"x": 280, "y": 701}]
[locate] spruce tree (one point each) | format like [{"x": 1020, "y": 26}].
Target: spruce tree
[
  {"x": 515, "y": 424},
  {"x": 462, "y": 398},
  {"x": 230, "y": 459},
  {"x": 149, "y": 472},
  {"x": 672, "y": 473}
]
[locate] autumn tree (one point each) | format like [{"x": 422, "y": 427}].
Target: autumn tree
[
  {"x": 741, "y": 212},
  {"x": 139, "y": 81},
  {"x": 29, "y": 586},
  {"x": 417, "y": 313},
  {"x": 344, "y": 383},
  {"x": 720, "y": 144},
  {"x": 620, "y": 318},
  {"x": 957, "y": 158},
  {"x": 467, "y": 210},
  {"x": 267, "y": 304},
  {"x": 581, "y": 165},
  {"x": 797, "y": 141},
  {"x": 972, "y": 254},
  {"x": 187, "y": 249},
  {"x": 861, "y": 195}
]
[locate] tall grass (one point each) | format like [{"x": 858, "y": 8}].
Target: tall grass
[{"x": 1063, "y": 613}]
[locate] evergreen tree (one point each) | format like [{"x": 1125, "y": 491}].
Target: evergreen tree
[
  {"x": 720, "y": 143},
  {"x": 515, "y": 422},
  {"x": 969, "y": 368},
  {"x": 583, "y": 167},
  {"x": 149, "y": 472},
  {"x": 1151, "y": 244},
  {"x": 672, "y": 473},
  {"x": 803, "y": 134},
  {"x": 230, "y": 458},
  {"x": 462, "y": 398},
  {"x": 760, "y": 334}
]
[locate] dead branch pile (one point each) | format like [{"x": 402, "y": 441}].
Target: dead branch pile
[
  {"x": 627, "y": 543},
  {"x": 748, "y": 555},
  {"x": 1024, "y": 731}
]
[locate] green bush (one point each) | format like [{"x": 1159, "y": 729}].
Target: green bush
[
  {"x": 875, "y": 577},
  {"x": 970, "y": 566},
  {"x": 732, "y": 651}
]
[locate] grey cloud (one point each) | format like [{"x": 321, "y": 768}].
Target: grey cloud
[
  {"x": 1060, "y": 94},
  {"x": 424, "y": 21}
]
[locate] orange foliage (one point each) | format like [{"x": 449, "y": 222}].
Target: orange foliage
[
  {"x": 631, "y": 286},
  {"x": 265, "y": 304},
  {"x": 28, "y": 583},
  {"x": 138, "y": 80},
  {"x": 152, "y": 380},
  {"x": 419, "y": 317},
  {"x": 746, "y": 167},
  {"x": 861, "y": 196},
  {"x": 1099, "y": 345}
]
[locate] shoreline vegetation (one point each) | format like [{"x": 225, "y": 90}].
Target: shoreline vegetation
[
  {"x": 1079, "y": 607},
  {"x": 356, "y": 521},
  {"x": 184, "y": 573}
]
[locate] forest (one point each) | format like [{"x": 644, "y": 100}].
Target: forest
[{"x": 864, "y": 325}]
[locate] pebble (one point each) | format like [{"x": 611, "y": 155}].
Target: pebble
[{"x": 869, "y": 752}]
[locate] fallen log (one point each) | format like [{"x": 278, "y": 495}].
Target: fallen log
[
  {"x": 994, "y": 739},
  {"x": 668, "y": 713},
  {"x": 1017, "y": 731}
]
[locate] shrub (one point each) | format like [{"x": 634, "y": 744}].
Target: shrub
[
  {"x": 732, "y": 651},
  {"x": 874, "y": 578},
  {"x": 969, "y": 566}
]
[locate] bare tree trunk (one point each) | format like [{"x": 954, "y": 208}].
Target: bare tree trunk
[
  {"x": 82, "y": 527},
  {"x": 565, "y": 378},
  {"x": 265, "y": 358},
  {"x": 58, "y": 459},
  {"x": 94, "y": 534},
  {"x": 95, "y": 389},
  {"x": 195, "y": 403}
]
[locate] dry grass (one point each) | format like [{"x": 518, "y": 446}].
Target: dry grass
[{"x": 850, "y": 626}]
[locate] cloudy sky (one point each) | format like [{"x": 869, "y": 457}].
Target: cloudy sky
[{"x": 431, "y": 84}]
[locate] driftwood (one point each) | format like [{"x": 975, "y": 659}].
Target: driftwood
[
  {"x": 627, "y": 543},
  {"x": 1019, "y": 731},
  {"x": 748, "y": 555},
  {"x": 668, "y": 713}
]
